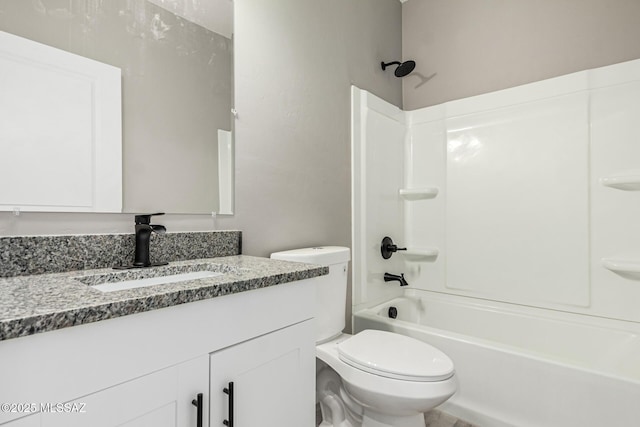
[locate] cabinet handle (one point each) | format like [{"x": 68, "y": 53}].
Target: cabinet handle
[
  {"x": 197, "y": 402},
  {"x": 229, "y": 390}
]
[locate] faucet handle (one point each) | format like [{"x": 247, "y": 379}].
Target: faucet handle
[
  {"x": 146, "y": 218},
  {"x": 387, "y": 248}
]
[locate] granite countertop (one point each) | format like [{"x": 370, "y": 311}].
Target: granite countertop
[{"x": 46, "y": 302}]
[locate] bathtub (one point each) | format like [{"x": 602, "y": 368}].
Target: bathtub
[{"x": 521, "y": 366}]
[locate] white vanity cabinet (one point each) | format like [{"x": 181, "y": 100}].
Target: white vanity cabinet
[
  {"x": 144, "y": 370},
  {"x": 259, "y": 382},
  {"x": 28, "y": 421},
  {"x": 159, "y": 399},
  {"x": 134, "y": 403}
]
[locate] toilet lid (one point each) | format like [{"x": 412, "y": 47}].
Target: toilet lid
[{"x": 395, "y": 356}]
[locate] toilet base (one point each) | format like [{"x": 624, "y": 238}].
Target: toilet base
[
  {"x": 370, "y": 419},
  {"x": 338, "y": 409}
]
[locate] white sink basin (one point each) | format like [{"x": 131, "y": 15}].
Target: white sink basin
[{"x": 161, "y": 280}]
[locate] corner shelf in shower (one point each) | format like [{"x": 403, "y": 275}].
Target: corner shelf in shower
[
  {"x": 629, "y": 182},
  {"x": 418, "y": 193},
  {"x": 629, "y": 268},
  {"x": 420, "y": 254}
]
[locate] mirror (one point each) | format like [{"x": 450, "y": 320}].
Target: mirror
[{"x": 177, "y": 90}]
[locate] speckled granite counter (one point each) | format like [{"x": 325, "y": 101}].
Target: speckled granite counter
[
  {"x": 41, "y": 303},
  {"x": 22, "y": 255}
]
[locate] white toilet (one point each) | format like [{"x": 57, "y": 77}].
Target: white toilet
[{"x": 372, "y": 378}]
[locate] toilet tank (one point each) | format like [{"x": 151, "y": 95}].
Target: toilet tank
[{"x": 331, "y": 290}]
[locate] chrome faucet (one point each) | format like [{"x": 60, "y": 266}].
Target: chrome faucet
[
  {"x": 388, "y": 277},
  {"x": 144, "y": 228}
]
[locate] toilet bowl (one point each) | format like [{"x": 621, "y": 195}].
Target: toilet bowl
[
  {"x": 373, "y": 378},
  {"x": 392, "y": 378}
]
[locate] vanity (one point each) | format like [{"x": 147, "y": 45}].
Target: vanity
[{"x": 235, "y": 349}]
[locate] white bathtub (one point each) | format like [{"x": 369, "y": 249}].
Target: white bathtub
[{"x": 521, "y": 366}]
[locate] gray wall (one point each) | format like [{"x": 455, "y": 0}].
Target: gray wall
[
  {"x": 295, "y": 62},
  {"x": 476, "y": 47}
]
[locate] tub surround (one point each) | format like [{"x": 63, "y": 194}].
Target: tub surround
[
  {"x": 532, "y": 292},
  {"x": 25, "y": 255},
  {"x": 536, "y": 194}
]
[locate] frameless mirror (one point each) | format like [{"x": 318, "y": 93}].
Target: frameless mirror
[{"x": 176, "y": 58}]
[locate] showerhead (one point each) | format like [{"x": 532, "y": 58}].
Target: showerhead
[{"x": 404, "y": 68}]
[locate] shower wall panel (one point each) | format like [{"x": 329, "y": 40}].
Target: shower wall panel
[
  {"x": 529, "y": 195},
  {"x": 517, "y": 201},
  {"x": 425, "y": 161},
  {"x": 378, "y": 133},
  {"x": 539, "y": 190},
  {"x": 615, "y": 191}
]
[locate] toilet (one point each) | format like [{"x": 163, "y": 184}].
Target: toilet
[{"x": 373, "y": 378}]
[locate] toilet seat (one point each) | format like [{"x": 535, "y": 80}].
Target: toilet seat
[{"x": 395, "y": 356}]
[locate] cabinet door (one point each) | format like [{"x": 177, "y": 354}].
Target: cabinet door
[
  {"x": 28, "y": 421},
  {"x": 160, "y": 399},
  {"x": 132, "y": 401},
  {"x": 193, "y": 378},
  {"x": 160, "y": 417},
  {"x": 273, "y": 380}
]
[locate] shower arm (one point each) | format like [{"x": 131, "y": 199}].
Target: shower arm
[{"x": 384, "y": 66}]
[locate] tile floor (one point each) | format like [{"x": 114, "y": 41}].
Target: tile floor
[
  {"x": 433, "y": 418},
  {"x": 437, "y": 418}
]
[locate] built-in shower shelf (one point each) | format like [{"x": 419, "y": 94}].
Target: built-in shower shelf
[
  {"x": 418, "y": 193},
  {"x": 625, "y": 267},
  {"x": 420, "y": 254},
  {"x": 623, "y": 182}
]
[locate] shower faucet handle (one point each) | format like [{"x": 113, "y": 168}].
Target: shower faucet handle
[{"x": 388, "y": 248}]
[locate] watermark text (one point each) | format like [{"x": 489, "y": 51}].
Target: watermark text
[{"x": 50, "y": 407}]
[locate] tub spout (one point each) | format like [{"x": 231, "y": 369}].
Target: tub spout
[{"x": 388, "y": 277}]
